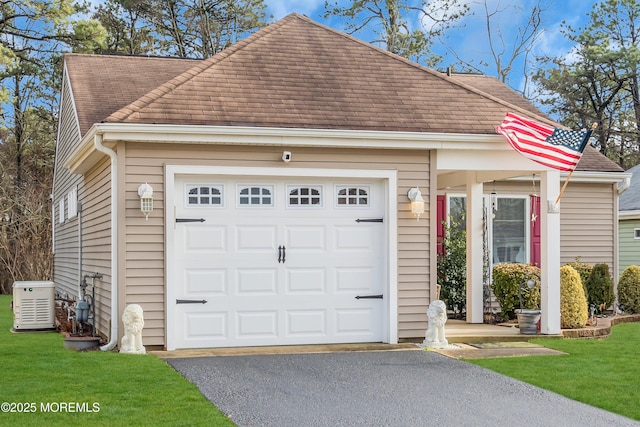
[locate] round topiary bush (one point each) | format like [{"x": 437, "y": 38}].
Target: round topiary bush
[
  {"x": 600, "y": 287},
  {"x": 584, "y": 270},
  {"x": 506, "y": 280},
  {"x": 629, "y": 289},
  {"x": 573, "y": 303}
]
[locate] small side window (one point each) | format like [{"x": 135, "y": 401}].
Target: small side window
[
  {"x": 352, "y": 196},
  {"x": 61, "y": 211},
  {"x": 304, "y": 196},
  {"x": 636, "y": 233},
  {"x": 255, "y": 195},
  {"x": 72, "y": 203},
  {"x": 204, "y": 195}
]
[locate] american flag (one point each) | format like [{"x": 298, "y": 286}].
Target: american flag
[{"x": 553, "y": 147}]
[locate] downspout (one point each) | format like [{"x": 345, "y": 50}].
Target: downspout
[
  {"x": 113, "y": 338},
  {"x": 79, "y": 250}
]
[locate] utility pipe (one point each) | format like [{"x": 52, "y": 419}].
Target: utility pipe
[
  {"x": 79, "y": 249},
  {"x": 113, "y": 338}
]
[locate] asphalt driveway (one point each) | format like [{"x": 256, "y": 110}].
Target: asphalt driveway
[{"x": 395, "y": 388}]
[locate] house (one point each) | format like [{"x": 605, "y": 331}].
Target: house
[
  {"x": 280, "y": 171},
  {"x": 629, "y": 222}
]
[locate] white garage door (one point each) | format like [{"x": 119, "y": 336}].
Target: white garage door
[{"x": 277, "y": 261}]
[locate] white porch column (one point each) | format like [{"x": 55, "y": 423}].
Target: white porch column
[
  {"x": 550, "y": 252},
  {"x": 474, "y": 249}
]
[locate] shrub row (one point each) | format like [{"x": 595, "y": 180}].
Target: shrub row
[{"x": 581, "y": 285}]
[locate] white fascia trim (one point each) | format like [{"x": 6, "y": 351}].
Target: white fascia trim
[
  {"x": 285, "y": 137},
  {"x": 583, "y": 176},
  {"x": 296, "y": 136},
  {"x": 626, "y": 215}
]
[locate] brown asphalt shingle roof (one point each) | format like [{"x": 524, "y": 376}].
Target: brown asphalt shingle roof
[
  {"x": 591, "y": 159},
  {"x": 295, "y": 73},
  {"x": 102, "y": 84},
  {"x": 299, "y": 74}
]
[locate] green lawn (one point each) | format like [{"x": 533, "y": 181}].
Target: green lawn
[
  {"x": 104, "y": 388},
  {"x": 600, "y": 372}
]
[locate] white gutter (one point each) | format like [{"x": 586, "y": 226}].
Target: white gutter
[
  {"x": 624, "y": 185},
  {"x": 113, "y": 337}
]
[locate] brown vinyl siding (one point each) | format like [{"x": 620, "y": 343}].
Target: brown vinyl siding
[
  {"x": 65, "y": 273},
  {"x": 94, "y": 196},
  {"x": 587, "y": 213},
  {"x": 96, "y": 237},
  {"x": 144, "y": 269},
  {"x": 585, "y": 233}
]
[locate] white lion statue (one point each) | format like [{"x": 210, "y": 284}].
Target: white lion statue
[
  {"x": 133, "y": 320},
  {"x": 437, "y": 315}
]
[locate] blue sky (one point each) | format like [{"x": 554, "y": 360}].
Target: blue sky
[{"x": 470, "y": 41}]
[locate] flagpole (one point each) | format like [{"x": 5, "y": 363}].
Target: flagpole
[
  {"x": 564, "y": 186},
  {"x": 593, "y": 127}
]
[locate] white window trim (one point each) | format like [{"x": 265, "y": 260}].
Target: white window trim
[
  {"x": 191, "y": 185},
  {"x": 61, "y": 211},
  {"x": 72, "y": 203},
  {"x": 487, "y": 204},
  {"x": 291, "y": 187},
  {"x": 271, "y": 187},
  {"x": 636, "y": 233},
  {"x": 339, "y": 187},
  {"x": 527, "y": 226}
]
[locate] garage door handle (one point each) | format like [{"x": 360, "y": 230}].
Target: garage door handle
[
  {"x": 281, "y": 254},
  {"x": 369, "y": 296}
]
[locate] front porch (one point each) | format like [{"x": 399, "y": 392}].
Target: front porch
[{"x": 472, "y": 177}]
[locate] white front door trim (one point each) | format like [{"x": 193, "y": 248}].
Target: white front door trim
[{"x": 390, "y": 312}]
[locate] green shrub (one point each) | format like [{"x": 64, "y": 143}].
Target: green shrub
[
  {"x": 584, "y": 270},
  {"x": 573, "y": 303},
  {"x": 452, "y": 268},
  {"x": 507, "y": 278},
  {"x": 600, "y": 287},
  {"x": 629, "y": 289}
]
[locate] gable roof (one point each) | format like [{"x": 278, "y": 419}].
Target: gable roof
[
  {"x": 295, "y": 73},
  {"x": 630, "y": 199}
]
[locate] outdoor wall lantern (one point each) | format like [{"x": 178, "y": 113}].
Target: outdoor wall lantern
[
  {"x": 145, "y": 191},
  {"x": 417, "y": 202}
]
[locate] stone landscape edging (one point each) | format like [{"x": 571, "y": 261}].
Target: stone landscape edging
[{"x": 603, "y": 328}]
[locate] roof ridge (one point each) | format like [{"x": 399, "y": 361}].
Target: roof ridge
[
  {"x": 430, "y": 71},
  {"x": 146, "y": 99}
]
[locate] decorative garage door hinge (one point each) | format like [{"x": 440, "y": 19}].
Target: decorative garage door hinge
[
  {"x": 190, "y": 220},
  {"x": 369, "y": 220},
  {"x": 191, "y": 301},
  {"x": 369, "y": 296}
]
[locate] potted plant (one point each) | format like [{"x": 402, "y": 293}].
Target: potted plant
[{"x": 529, "y": 312}]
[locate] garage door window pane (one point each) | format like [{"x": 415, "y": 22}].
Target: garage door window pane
[
  {"x": 353, "y": 196},
  {"x": 204, "y": 195},
  {"x": 256, "y": 196},
  {"x": 304, "y": 196}
]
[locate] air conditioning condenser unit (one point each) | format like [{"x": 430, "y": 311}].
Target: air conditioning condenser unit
[{"x": 33, "y": 306}]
